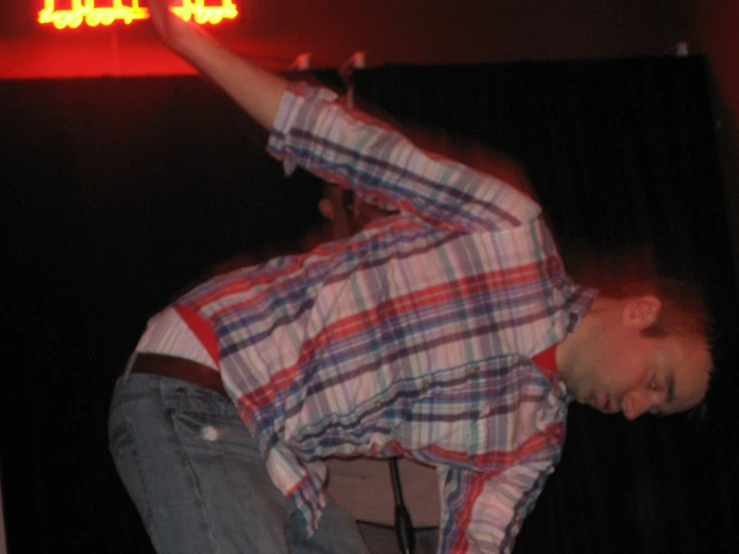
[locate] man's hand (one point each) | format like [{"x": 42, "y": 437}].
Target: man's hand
[
  {"x": 257, "y": 91},
  {"x": 171, "y": 28}
]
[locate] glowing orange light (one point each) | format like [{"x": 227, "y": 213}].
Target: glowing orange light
[{"x": 85, "y": 10}]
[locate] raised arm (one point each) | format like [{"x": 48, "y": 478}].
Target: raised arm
[
  {"x": 385, "y": 169},
  {"x": 346, "y": 147},
  {"x": 255, "y": 89}
]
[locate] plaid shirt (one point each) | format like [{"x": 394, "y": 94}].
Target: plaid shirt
[{"x": 413, "y": 338}]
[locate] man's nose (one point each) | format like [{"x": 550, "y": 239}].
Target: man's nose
[{"x": 635, "y": 404}]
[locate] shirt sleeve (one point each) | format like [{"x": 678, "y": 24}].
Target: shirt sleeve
[
  {"x": 384, "y": 168},
  {"x": 482, "y": 513}
]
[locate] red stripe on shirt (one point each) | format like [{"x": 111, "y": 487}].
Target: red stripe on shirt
[
  {"x": 415, "y": 300},
  {"x": 266, "y": 394},
  {"x": 202, "y": 330},
  {"x": 464, "y": 516},
  {"x": 505, "y": 458}
]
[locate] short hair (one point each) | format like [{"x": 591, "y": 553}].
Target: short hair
[{"x": 683, "y": 312}]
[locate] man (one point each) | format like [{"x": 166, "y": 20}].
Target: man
[{"x": 448, "y": 333}]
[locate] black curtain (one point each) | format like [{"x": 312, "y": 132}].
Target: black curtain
[{"x": 116, "y": 194}]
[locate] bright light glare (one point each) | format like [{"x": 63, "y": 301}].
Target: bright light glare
[{"x": 86, "y": 11}]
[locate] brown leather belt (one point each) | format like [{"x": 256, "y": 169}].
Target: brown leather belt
[{"x": 179, "y": 368}]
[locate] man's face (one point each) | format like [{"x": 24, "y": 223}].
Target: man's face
[
  {"x": 345, "y": 220},
  {"x": 332, "y": 209},
  {"x": 622, "y": 370}
]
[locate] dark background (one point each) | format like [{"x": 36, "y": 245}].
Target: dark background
[{"x": 119, "y": 193}]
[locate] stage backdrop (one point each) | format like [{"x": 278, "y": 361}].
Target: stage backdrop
[{"x": 117, "y": 194}]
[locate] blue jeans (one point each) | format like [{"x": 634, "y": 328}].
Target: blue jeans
[{"x": 198, "y": 480}]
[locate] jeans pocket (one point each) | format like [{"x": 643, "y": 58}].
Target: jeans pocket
[{"x": 217, "y": 432}]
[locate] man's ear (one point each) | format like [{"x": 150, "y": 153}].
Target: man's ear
[
  {"x": 641, "y": 312},
  {"x": 326, "y": 207}
]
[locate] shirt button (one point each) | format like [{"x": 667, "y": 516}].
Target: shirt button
[
  {"x": 477, "y": 369},
  {"x": 333, "y": 420},
  {"x": 377, "y": 403}
]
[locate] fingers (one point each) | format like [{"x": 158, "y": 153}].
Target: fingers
[
  {"x": 158, "y": 9},
  {"x": 168, "y": 25}
]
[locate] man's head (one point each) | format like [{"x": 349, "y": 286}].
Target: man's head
[
  {"x": 345, "y": 214},
  {"x": 335, "y": 206},
  {"x": 646, "y": 352}
]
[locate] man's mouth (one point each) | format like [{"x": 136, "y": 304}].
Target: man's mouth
[{"x": 603, "y": 402}]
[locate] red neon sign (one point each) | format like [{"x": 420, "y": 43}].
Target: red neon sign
[{"x": 86, "y": 11}]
